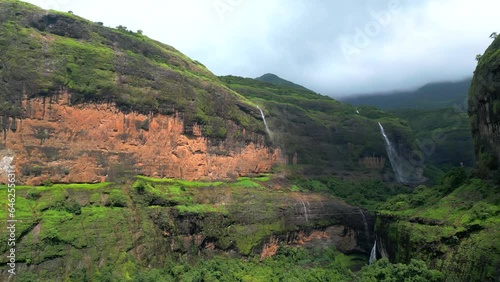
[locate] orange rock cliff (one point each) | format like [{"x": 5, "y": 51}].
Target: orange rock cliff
[{"x": 60, "y": 142}]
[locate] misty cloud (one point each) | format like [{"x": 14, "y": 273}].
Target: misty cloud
[{"x": 394, "y": 44}]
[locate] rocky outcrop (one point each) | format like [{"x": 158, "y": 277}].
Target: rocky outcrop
[
  {"x": 463, "y": 254},
  {"x": 85, "y": 227},
  {"x": 66, "y": 143},
  {"x": 293, "y": 219},
  {"x": 484, "y": 107}
]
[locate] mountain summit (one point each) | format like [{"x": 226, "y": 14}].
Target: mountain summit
[{"x": 276, "y": 80}]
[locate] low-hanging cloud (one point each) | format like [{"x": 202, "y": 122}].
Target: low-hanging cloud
[{"x": 336, "y": 48}]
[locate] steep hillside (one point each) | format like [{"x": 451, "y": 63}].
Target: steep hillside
[
  {"x": 46, "y": 52},
  {"x": 437, "y": 115},
  {"x": 83, "y": 230},
  {"x": 443, "y": 135},
  {"x": 454, "y": 226},
  {"x": 484, "y": 108},
  {"x": 276, "y": 80},
  {"x": 431, "y": 96},
  {"x": 323, "y": 134},
  {"x": 78, "y": 98}
]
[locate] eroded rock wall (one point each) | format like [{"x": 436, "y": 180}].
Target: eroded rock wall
[
  {"x": 96, "y": 142},
  {"x": 484, "y": 107}
]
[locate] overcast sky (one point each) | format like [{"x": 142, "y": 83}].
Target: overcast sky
[{"x": 336, "y": 48}]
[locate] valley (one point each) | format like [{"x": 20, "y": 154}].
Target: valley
[{"x": 130, "y": 161}]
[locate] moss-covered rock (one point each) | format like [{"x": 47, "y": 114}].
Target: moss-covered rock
[
  {"x": 77, "y": 229},
  {"x": 455, "y": 232},
  {"x": 484, "y": 97}
]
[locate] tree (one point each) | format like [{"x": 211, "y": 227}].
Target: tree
[
  {"x": 383, "y": 270},
  {"x": 121, "y": 27},
  {"x": 139, "y": 31},
  {"x": 478, "y": 57},
  {"x": 494, "y": 35}
]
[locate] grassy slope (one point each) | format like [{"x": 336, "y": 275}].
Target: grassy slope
[
  {"x": 43, "y": 52},
  {"x": 453, "y": 226},
  {"x": 110, "y": 232},
  {"x": 301, "y": 118},
  {"x": 109, "y": 224}
]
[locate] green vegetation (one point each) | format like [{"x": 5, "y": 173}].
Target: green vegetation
[
  {"x": 440, "y": 225},
  {"x": 483, "y": 108},
  {"x": 452, "y": 226},
  {"x": 44, "y": 52},
  {"x": 443, "y": 136},
  {"x": 384, "y": 271},
  {"x": 289, "y": 264},
  {"x": 107, "y": 223},
  {"x": 177, "y": 230},
  {"x": 299, "y": 117},
  {"x": 367, "y": 194}
]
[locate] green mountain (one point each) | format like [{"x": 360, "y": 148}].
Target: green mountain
[
  {"x": 314, "y": 217},
  {"x": 43, "y": 53},
  {"x": 117, "y": 230},
  {"x": 276, "y": 80},
  {"x": 454, "y": 226},
  {"x": 430, "y": 96},
  {"x": 342, "y": 138},
  {"x": 442, "y": 135},
  {"x": 436, "y": 114}
]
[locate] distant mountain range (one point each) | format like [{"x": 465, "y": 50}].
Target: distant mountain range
[{"x": 430, "y": 96}]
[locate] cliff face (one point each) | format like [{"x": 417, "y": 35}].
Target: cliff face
[
  {"x": 65, "y": 143},
  {"x": 345, "y": 138},
  {"x": 44, "y": 53},
  {"x": 82, "y": 228},
  {"x": 484, "y": 107}
]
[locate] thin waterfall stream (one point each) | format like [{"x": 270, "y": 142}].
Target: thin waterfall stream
[
  {"x": 264, "y": 119},
  {"x": 393, "y": 156},
  {"x": 373, "y": 253}
]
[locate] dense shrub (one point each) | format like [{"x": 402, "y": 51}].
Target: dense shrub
[
  {"x": 116, "y": 199},
  {"x": 384, "y": 271},
  {"x": 453, "y": 179}
]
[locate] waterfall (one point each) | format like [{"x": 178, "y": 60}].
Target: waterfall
[
  {"x": 382, "y": 250},
  {"x": 373, "y": 253},
  {"x": 306, "y": 210},
  {"x": 265, "y": 123},
  {"x": 367, "y": 232},
  {"x": 5, "y": 165},
  {"x": 393, "y": 156}
]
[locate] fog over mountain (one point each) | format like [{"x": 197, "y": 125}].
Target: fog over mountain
[{"x": 334, "y": 48}]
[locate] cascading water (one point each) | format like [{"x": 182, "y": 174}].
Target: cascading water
[
  {"x": 306, "y": 210},
  {"x": 265, "y": 123},
  {"x": 393, "y": 156},
  {"x": 367, "y": 232},
  {"x": 373, "y": 253}
]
